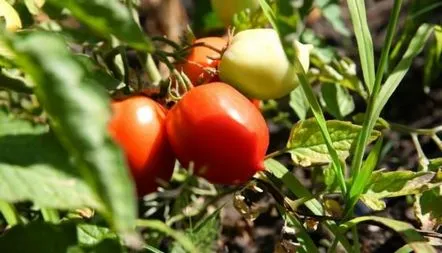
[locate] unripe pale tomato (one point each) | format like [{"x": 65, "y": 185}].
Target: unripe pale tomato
[
  {"x": 255, "y": 64},
  {"x": 220, "y": 131},
  {"x": 202, "y": 62},
  {"x": 225, "y": 9},
  {"x": 138, "y": 126}
]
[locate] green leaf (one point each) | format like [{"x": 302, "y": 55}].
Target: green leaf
[
  {"x": 204, "y": 234},
  {"x": 331, "y": 10},
  {"x": 79, "y": 110},
  {"x": 292, "y": 183},
  {"x": 407, "y": 231},
  {"x": 373, "y": 203},
  {"x": 307, "y": 146},
  {"x": 363, "y": 38},
  {"x": 108, "y": 17},
  {"x": 89, "y": 234},
  {"x": 337, "y": 100},
  {"x": 400, "y": 183},
  {"x": 38, "y": 237},
  {"x": 363, "y": 178},
  {"x": 182, "y": 239},
  {"x": 299, "y": 103},
  {"x": 433, "y": 62},
  {"x": 435, "y": 164},
  {"x": 429, "y": 213}
]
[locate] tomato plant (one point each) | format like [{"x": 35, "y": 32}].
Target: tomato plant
[
  {"x": 228, "y": 135},
  {"x": 138, "y": 125}
]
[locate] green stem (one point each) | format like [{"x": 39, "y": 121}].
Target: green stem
[
  {"x": 420, "y": 131},
  {"x": 369, "y": 118},
  {"x": 357, "y": 245},
  {"x": 50, "y": 215},
  {"x": 152, "y": 71},
  {"x": 423, "y": 160},
  {"x": 276, "y": 153},
  {"x": 9, "y": 213},
  {"x": 437, "y": 140}
]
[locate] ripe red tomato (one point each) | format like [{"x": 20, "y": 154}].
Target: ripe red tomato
[
  {"x": 200, "y": 61},
  {"x": 138, "y": 126},
  {"x": 220, "y": 131},
  {"x": 256, "y": 102}
]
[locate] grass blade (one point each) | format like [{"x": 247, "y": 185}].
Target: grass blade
[{"x": 363, "y": 38}]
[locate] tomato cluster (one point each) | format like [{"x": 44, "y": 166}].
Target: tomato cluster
[{"x": 216, "y": 128}]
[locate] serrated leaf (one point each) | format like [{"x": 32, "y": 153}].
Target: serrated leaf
[
  {"x": 13, "y": 21},
  {"x": 307, "y": 146},
  {"x": 400, "y": 183},
  {"x": 34, "y": 166},
  {"x": 337, "y": 100},
  {"x": 108, "y": 17},
  {"x": 405, "y": 230},
  {"x": 89, "y": 234},
  {"x": 299, "y": 103},
  {"x": 78, "y": 108},
  {"x": 38, "y": 237}
]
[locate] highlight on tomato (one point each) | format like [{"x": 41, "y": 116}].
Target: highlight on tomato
[
  {"x": 219, "y": 133},
  {"x": 201, "y": 63},
  {"x": 256, "y": 65},
  {"x": 138, "y": 126}
]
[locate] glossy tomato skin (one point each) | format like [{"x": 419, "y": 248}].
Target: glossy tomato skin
[
  {"x": 220, "y": 131},
  {"x": 201, "y": 60},
  {"x": 138, "y": 126}
]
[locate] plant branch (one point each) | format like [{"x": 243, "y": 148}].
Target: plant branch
[
  {"x": 10, "y": 213},
  {"x": 410, "y": 130},
  {"x": 423, "y": 160}
]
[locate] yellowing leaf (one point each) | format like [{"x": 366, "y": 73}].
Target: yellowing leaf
[
  {"x": 307, "y": 146},
  {"x": 12, "y": 18}
]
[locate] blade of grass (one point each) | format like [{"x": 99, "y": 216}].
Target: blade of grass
[
  {"x": 364, "y": 41},
  {"x": 369, "y": 118},
  {"x": 361, "y": 180}
]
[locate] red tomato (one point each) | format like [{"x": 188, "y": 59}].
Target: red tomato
[
  {"x": 200, "y": 64},
  {"x": 138, "y": 126},
  {"x": 220, "y": 131},
  {"x": 256, "y": 102}
]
